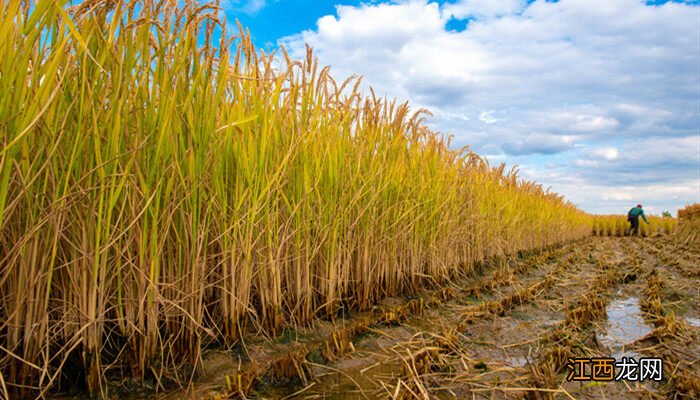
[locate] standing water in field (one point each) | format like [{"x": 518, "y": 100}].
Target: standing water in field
[{"x": 624, "y": 326}]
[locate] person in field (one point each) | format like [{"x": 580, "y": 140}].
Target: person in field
[{"x": 633, "y": 218}]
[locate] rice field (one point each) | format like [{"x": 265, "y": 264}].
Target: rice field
[
  {"x": 182, "y": 215},
  {"x": 505, "y": 332}
]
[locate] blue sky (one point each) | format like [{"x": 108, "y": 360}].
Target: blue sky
[
  {"x": 270, "y": 20},
  {"x": 597, "y": 99}
]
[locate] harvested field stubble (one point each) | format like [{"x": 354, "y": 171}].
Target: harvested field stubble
[
  {"x": 443, "y": 345},
  {"x": 571, "y": 338},
  {"x": 453, "y": 371},
  {"x": 672, "y": 335},
  {"x": 445, "y": 365}
]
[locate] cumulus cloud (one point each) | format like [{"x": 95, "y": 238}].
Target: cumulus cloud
[
  {"x": 607, "y": 153},
  {"x": 649, "y": 160},
  {"x": 540, "y": 143},
  {"x": 661, "y": 172},
  {"x": 580, "y": 84},
  {"x": 482, "y": 8},
  {"x": 604, "y": 198},
  {"x": 487, "y": 117}
]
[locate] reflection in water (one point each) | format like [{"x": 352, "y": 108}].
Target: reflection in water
[
  {"x": 354, "y": 379},
  {"x": 624, "y": 325},
  {"x": 517, "y": 361}
]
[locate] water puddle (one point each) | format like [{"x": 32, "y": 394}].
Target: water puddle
[
  {"x": 352, "y": 378},
  {"x": 693, "y": 321},
  {"x": 624, "y": 326},
  {"x": 517, "y": 361}
]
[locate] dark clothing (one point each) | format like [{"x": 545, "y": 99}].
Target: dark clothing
[{"x": 634, "y": 224}]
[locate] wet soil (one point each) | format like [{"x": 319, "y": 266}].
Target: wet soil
[{"x": 485, "y": 336}]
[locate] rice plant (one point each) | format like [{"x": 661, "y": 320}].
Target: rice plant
[
  {"x": 164, "y": 186},
  {"x": 617, "y": 225},
  {"x": 689, "y": 224}
]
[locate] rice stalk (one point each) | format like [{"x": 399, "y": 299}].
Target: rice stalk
[{"x": 165, "y": 186}]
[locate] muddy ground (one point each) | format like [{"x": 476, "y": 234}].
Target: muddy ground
[{"x": 507, "y": 332}]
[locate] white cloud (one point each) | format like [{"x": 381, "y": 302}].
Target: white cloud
[
  {"x": 604, "y": 198},
  {"x": 608, "y": 153},
  {"x": 487, "y": 117},
  {"x": 482, "y": 8},
  {"x": 537, "y": 82}
]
